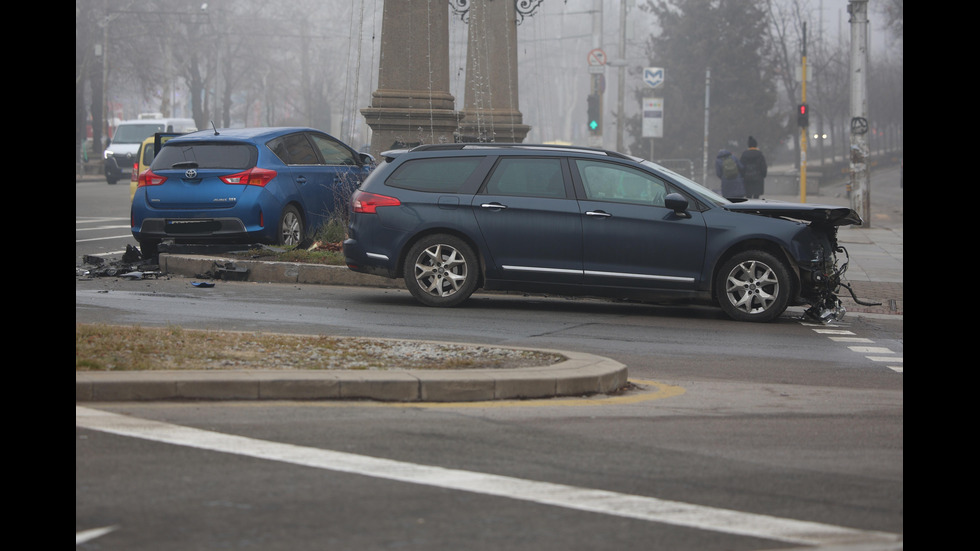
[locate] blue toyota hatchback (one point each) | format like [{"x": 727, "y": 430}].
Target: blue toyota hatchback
[
  {"x": 245, "y": 185},
  {"x": 453, "y": 218}
]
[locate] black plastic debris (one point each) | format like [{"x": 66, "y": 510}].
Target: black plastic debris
[
  {"x": 131, "y": 266},
  {"x": 226, "y": 271},
  {"x": 230, "y": 272}
]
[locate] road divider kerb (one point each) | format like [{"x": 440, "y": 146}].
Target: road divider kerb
[{"x": 580, "y": 374}]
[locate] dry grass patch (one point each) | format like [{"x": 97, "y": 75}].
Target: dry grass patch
[{"x": 101, "y": 347}]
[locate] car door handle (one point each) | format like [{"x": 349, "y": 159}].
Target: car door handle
[
  {"x": 301, "y": 179},
  {"x": 493, "y": 205},
  {"x": 599, "y": 213}
]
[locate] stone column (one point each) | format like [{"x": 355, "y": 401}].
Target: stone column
[
  {"x": 491, "y": 112},
  {"x": 412, "y": 104}
]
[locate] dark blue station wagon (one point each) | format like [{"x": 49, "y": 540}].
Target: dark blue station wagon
[{"x": 453, "y": 218}]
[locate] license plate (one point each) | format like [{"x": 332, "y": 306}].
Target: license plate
[{"x": 192, "y": 226}]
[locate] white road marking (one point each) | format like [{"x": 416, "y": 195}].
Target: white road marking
[
  {"x": 834, "y": 331},
  {"x": 115, "y": 227},
  {"x": 94, "y": 219},
  {"x": 863, "y": 349},
  {"x": 558, "y": 495},
  {"x": 89, "y": 535},
  {"x": 128, "y": 236},
  {"x": 871, "y": 349}
]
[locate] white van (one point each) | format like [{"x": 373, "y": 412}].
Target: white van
[{"x": 124, "y": 147}]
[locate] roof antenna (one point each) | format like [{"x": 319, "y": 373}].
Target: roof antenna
[{"x": 215, "y": 129}]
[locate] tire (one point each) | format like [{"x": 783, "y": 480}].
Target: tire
[
  {"x": 753, "y": 286},
  {"x": 292, "y": 231},
  {"x": 441, "y": 270}
]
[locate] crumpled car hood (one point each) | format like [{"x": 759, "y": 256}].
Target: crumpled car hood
[{"x": 821, "y": 214}]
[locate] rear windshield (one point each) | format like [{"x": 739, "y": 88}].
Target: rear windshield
[
  {"x": 136, "y": 133},
  {"x": 438, "y": 174},
  {"x": 212, "y": 155}
]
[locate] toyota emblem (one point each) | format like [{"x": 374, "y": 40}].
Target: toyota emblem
[{"x": 191, "y": 173}]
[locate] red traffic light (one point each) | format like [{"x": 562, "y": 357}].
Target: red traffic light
[{"x": 803, "y": 115}]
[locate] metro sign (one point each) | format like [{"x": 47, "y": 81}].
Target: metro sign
[{"x": 653, "y": 76}]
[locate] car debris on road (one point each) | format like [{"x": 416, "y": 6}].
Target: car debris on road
[{"x": 132, "y": 265}]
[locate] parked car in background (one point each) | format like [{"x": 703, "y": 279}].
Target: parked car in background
[
  {"x": 453, "y": 218},
  {"x": 144, "y": 157},
  {"x": 245, "y": 185},
  {"x": 119, "y": 156}
]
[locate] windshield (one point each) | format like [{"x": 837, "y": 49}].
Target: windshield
[
  {"x": 135, "y": 133},
  {"x": 693, "y": 186}
]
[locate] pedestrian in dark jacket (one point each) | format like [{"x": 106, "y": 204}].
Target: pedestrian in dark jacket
[
  {"x": 729, "y": 169},
  {"x": 754, "y": 170}
]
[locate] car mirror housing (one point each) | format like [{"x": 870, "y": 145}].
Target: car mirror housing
[{"x": 677, "y": 203}]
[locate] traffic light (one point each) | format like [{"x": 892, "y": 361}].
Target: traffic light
[
  {"x": 803, "y": 115},
  {"x": 595, "y": 122}
]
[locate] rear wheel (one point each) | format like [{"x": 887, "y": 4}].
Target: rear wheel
[
  {"x": 291, "y": 231},
  {"x": 441, "y": 270},
  {"x": 753, "y": 286}
]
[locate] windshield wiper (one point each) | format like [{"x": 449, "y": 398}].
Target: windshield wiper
[{"x": 185, "y": 164}]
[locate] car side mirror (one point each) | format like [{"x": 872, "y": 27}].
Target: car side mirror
[
  {"x": 677, "y": 203},
  {"x": 367, "y": 159}
]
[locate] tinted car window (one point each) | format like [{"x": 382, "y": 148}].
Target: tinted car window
[
  {"x": 148, "y": 154},
  {"x": 441, "y": 174},
  {"x": 294, "y": 149},
  {"x": 332, "y": 152},
  {"x": 526, "y": 177},
  {"x": 234, "y": 156},
  {"x": 611, "y": 182}
]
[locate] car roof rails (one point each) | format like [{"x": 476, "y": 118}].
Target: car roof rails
[{"x": 523, "y": 146}]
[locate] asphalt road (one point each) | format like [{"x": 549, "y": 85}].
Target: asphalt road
[{"x": 736, "y": 437}]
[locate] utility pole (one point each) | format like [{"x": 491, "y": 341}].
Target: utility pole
[
  {"x": 621, "y": 85},
  {"x": 707, "y": 111},
  {"x": 860, "y": 155}
]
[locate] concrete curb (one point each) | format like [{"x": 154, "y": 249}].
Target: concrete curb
[
  {"x": 580, "y": 374},
  {"x": 270, "y": 272}
]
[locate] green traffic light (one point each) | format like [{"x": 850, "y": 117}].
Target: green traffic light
[{"x": 593, "y": 125}]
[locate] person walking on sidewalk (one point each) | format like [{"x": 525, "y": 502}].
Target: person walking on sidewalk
[
  {"x": 754, "y": 170},
  {"x": 729, "y": 169}
]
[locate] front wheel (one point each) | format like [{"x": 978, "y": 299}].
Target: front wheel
[
  {"x": 441, "y": 270},
  {"x": 753, "y": 286},
  {"x": 291, "y": 230}
]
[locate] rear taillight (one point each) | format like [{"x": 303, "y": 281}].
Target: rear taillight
[
  {"x": 253, "y": 177},
  {"x": 368, "y": 203},
  {"x": 134, "y": 175},
  {"x": 148, "y": 178}
]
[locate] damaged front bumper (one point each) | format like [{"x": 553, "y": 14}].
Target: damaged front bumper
[{"x": 821, "y": 287}]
